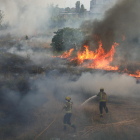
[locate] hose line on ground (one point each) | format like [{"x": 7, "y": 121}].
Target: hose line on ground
[{"x": 49, "y": 125}]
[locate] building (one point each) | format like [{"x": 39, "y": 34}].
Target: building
[
  {"x": 98, "y": 7},
  {"x": 64, "y": 14}
]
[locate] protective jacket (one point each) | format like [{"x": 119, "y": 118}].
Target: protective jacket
[
  {"x": 103, "y": 96},
  {"x": 68, "y": 107}
]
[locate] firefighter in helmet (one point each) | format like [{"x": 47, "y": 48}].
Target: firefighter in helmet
[
  {"x": 68, "y": 109},
  {"x": 102, "y": 99}
]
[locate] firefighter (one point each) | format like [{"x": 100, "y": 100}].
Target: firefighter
[
  {"x": 68, "y": 109},
  {"x": 102, "y": 99}
]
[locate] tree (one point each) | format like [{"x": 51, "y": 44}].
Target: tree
[
  {"x": 1, "y": 18},
  {"x": 82, "y": 10},
  {"x": 66, "y": 38},
  {"x": 58, "y": 19},
  {"x": 57, "y": 22},
  {"x": 68, "y": 10},
  {"x": 54, "y": 10},
  {"x": 77, "y": 7}
]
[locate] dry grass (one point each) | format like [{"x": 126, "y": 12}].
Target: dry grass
[
  {"x": 88, "y": 122},
  {"x": 122, "y": 122}
]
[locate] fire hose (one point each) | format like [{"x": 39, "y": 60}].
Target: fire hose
[
  {"x": 49, "y": 125},
  {"x": 58, "y": 116}
]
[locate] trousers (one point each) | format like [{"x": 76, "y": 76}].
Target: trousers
[
  {"x": 66, "y": 121},
  {"x": 101, "y": 106}
]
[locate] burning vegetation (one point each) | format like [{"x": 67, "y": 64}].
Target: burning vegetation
[{"x": 98, "y": 59}]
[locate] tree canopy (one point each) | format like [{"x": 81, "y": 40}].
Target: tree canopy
[
  {"x": 77, "y": 5},
  {"x": 68, "y": 10},
  {"x": 82, "y": 10},
  {"x": 1, "y": 18},
  {"x": 66, "y": 38}
]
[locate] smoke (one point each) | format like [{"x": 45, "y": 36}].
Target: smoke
[
  {"x": 25, "y": 17},
  {"x": 89, "y": 84},
  {"x": 37, "y": 91},
  {"x": 30, "y": 17},
  {"x": 120, "y": 20}
]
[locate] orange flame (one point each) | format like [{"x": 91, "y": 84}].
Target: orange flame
[
  {"x": 67, "y": 54},
  {"x": 123, "y": 37},
  {"x": 136, "y": 74},
  {"x": 99, "y": 59}
]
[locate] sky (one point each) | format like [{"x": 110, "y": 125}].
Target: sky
[{"x": 70, "y": 3}]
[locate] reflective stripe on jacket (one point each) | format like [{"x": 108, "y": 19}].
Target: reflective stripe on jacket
[
  {"x": 68, "y": 107},
  {"x": 103, "y": 96}
]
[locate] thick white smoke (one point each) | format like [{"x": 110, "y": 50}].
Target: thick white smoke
[
  {"x": 29, "y": 16},
  {"x": 25, "y": 17},
  {"x": 89, "y": 84}
]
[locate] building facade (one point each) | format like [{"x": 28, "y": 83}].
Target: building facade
[{"x": 97, "y": 6}]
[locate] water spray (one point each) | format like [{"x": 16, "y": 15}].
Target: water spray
[{"x": 88, "y": 100}]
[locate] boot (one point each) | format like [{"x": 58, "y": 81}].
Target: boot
[
  {"x": 101, "y": 115},
  {"x": 106, "y": 110},
  {"x": 74, "y": 127}
]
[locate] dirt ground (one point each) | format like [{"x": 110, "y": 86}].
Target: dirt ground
[{"x": 122, "y": 121}]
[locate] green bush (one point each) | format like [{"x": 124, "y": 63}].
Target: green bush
[{"x": 67, "y": 38}]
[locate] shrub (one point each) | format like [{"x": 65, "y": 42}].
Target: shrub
[{"x": 66, "y": 38}]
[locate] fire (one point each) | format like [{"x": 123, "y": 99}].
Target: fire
[
  {"x": 123, "y": 37},
  {"x": 98, "y": 59},
  {"x": 67, "y": 54},
  {"x": 136, "y": 74}
]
